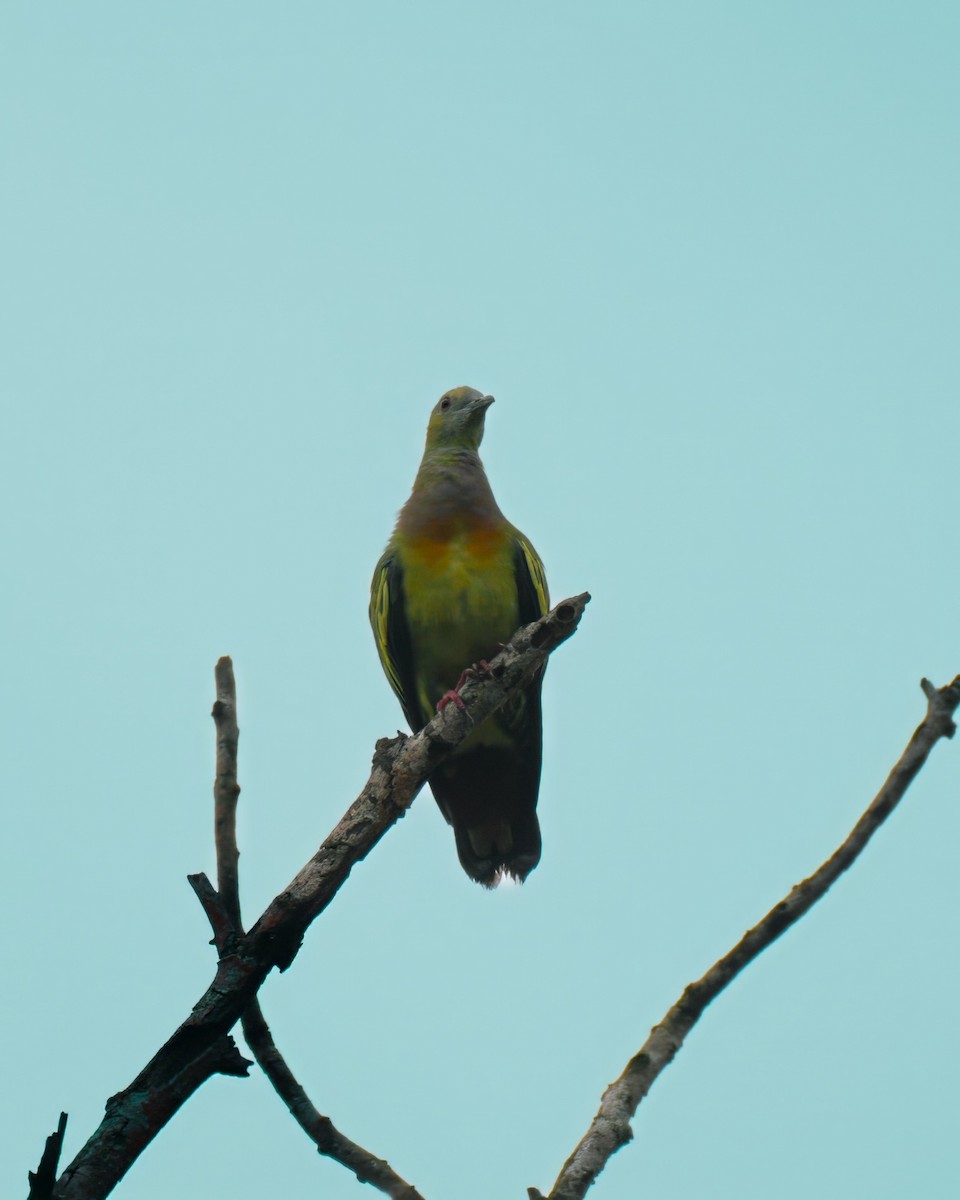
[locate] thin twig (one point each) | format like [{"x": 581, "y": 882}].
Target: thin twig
[
  {"x": 320, "y": 1129},
  {"x": 45, "y": 1176},
  {"x": 610, "y": 1128},
  {"x": 400, "y": 768},
  {"x": 225, "y": 918},
  {"x": 224, "y": 930},
  {"x": 226, "y": 789}
]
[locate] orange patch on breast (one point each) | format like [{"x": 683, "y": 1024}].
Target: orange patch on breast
[
  {"x": 439, "y": 544},
  {"x": 484, "y": 542}
]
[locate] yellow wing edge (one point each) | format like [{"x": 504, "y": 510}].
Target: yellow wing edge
[
  {"x": 538, "y": 576},
  {"x": 380, "y": 622}
]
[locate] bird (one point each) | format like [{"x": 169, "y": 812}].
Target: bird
[{"x": 453, "y": 584}]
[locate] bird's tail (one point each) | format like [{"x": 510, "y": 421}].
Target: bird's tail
[{"x": 489, "y": 796}]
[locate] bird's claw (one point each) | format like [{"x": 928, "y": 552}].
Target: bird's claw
[{"x": 453, "y": 696}]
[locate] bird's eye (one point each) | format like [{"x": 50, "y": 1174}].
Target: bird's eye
[{"x": 445, "y": 404}]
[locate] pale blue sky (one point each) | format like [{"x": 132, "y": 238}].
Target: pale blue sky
[{"x": 706, "y": 256}]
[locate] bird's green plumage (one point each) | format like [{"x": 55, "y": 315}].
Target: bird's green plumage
[{"x": 454, "y": 582}]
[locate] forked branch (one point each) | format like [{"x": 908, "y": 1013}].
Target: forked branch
[
  {"x": 224, "y": 913},
  {"x": 201, "y": 1046}
]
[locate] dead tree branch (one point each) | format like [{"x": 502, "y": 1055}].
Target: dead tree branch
[
  {"x": 45, "y": 1176},
  {"x": 610, "y": 1128},
  {"x": 201, "y": 1046}
]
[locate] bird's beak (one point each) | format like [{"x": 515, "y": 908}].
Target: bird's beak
[{"x": 484, "y": 403}]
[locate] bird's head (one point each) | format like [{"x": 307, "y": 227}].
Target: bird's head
[{"x": 456, "y": 422}]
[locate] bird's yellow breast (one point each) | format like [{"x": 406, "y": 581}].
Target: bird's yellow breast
[{"x": 461, "y": 598}]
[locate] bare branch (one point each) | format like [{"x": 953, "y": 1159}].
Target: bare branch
[
  {"x": 610, "y": 1128},
  {"x": 197, "y": 1049},
  {"x": 135, "y": 1116}
]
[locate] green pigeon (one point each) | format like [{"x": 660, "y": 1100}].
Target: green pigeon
[{"x": 454, "y": 583}]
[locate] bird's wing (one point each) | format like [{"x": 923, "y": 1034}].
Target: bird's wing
[
  {"x": 533, "y": 598},
  {"x": 388, "y": 618},
  {"x": 521, "y": 715}
]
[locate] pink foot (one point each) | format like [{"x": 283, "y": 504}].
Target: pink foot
[{"x": 453, "y": 696}]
